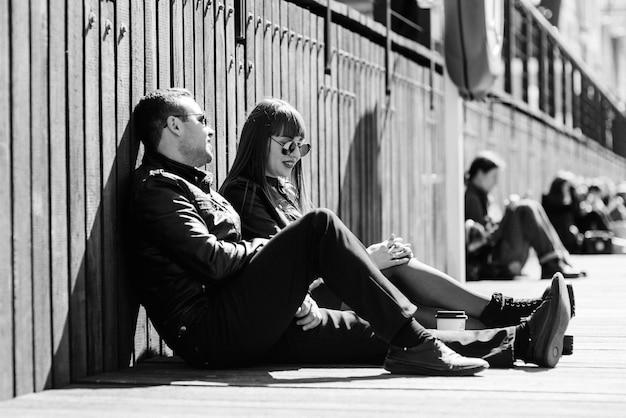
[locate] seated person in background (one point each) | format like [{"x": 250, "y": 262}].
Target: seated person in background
[
  {"x": 266, "y": 186},
  {"x": 595, "y": 215},
  {"x": 563, "y": 209},
  {"x": 501, "y": 246}
]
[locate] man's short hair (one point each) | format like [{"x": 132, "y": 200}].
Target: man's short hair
[{"x": 151, "y": 113}]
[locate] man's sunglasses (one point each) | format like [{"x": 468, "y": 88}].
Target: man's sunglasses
[
  {"x": 201, "y": 119},
  {"x": 290, "y": 146}
]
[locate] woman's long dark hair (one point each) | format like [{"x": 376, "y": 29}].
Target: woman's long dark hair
[
  {"x": 270, "y": 117},
  {"x": 556, "y": 188}
]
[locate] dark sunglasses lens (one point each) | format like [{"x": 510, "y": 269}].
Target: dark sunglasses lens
[
  {"x": 304, "y": 149},
  {"x": 290, "y": 147}
]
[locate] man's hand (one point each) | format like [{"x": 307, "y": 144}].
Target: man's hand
[
  {"x": 308, "y": 314},
  {"x": 389, "y": 253}
]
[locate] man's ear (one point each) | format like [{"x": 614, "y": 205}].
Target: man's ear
[{"x": 175, "y": 125}]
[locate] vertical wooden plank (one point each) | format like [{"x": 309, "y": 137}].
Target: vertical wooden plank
[
  {"x": 250, "y": 58},
  {"x": 188, "y": 45},
  {"x": 275, "y": 42},
  {"x": 220, "y": 93},
  {"x": 334, "y": 148},
  {"x": 164, "y": 44},
  {"x": 209, "y": 71},
  {"x": 108, "y": 205},
  {"x": 296, "y": 26},
  {"x": 306, "y": 92},
  {"x": 343, "y": 191},
  {"x": 313, "y": 104},
  {"x": 177, "y": 29},
  {"x": 93, "y": 186},
  {"x": 240, "y": 60},
  {"x": 283, "y": 36},
  {"x": 292, "y": 11},
  {"x": 40, "y": 195},
  {"x": 21, "y": 175},
  {"x": 144, "y": 58},
  {"x": 77, "y": 22},
  {"x": 268, "y": 59},
  {"x": 321, "y": 112},
  {"x": 198, "y": 47},
  {"x": 231, "y": 84},
  {"x": 6, "y": 266},
  {"x": 118, "y": 330},
  {"x": 259, "y": 49},
  {"x": 58, "y": 196}
]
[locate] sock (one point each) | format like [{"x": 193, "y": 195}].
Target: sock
[
  {"x": 410, "y": 335},
  {"x": 522, "y": 340}
]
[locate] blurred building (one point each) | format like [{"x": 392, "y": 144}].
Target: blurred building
[{"x": 594, "y": 30}]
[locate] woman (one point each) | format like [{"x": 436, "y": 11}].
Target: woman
[
  {"x": 563, "y": 209},
  {"x": 266, "y": 186},
  {"x": 508, "y": 240}
]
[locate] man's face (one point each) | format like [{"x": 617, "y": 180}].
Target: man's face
[{"x": 195, "y": 143}]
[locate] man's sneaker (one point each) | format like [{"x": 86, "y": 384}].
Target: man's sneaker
[
  {"x": 547, "y": 326},
  {"x": 432, "y": 358}
]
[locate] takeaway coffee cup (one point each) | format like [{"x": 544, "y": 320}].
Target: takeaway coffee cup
[{"x": 451, "y": 320}]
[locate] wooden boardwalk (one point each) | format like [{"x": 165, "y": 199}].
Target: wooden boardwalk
[{"x": 592, "y": 382}]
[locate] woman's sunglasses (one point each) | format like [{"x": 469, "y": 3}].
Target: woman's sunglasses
[{"x": 290, "y": 146}]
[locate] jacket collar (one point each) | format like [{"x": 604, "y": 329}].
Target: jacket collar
[{"x": 154, "y": 160}]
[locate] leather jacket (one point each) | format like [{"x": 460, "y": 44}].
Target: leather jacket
[{"x": 186, "y": 239}]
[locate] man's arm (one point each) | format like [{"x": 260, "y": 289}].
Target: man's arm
[{"x": 173, "y": 225}]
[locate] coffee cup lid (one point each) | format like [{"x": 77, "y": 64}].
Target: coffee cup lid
[{"x": 451, "y": 314}]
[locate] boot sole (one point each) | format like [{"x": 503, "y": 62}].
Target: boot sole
[
  {"x": 549, "y": 343},
  {"x": 397, "y": 366}
]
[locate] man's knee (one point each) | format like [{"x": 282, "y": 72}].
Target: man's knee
[{"x": 320, "y": 217}]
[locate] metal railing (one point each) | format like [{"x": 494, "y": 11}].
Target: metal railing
[{"x": 542, "y": 72}]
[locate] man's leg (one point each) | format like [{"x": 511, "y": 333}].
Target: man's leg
[
  {"x": 524, "y": 225},
  {"x": 249, "y": 313},
  {"x": 345, "y": 338}
]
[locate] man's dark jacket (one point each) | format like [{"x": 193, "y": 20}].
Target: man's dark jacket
[{"x": 187, "y": 241}]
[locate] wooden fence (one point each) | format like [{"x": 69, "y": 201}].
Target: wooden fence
[{"x": 70, "y": 73}]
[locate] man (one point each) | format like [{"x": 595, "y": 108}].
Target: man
[
  {"x": 500, "y": 248},
  {"x": 219, "y": 301}
]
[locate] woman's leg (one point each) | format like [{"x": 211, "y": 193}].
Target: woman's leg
[
  {"x": 432, "y": 290},
  {"x": 427, "y": 286}
]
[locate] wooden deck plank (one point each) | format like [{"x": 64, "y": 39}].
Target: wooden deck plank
[{"x": 590, "y": 382}]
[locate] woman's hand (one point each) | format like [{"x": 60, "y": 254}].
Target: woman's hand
[
  {"x": 389, "y": 253},
  {"x": 308, "y": 314}
]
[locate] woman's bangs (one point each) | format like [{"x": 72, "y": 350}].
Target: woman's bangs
[{"x": 288, "y": 122}]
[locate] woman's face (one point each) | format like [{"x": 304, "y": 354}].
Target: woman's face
[
  {"x": 280, "y": 162},
  {"x": 487, "y": 180}
]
